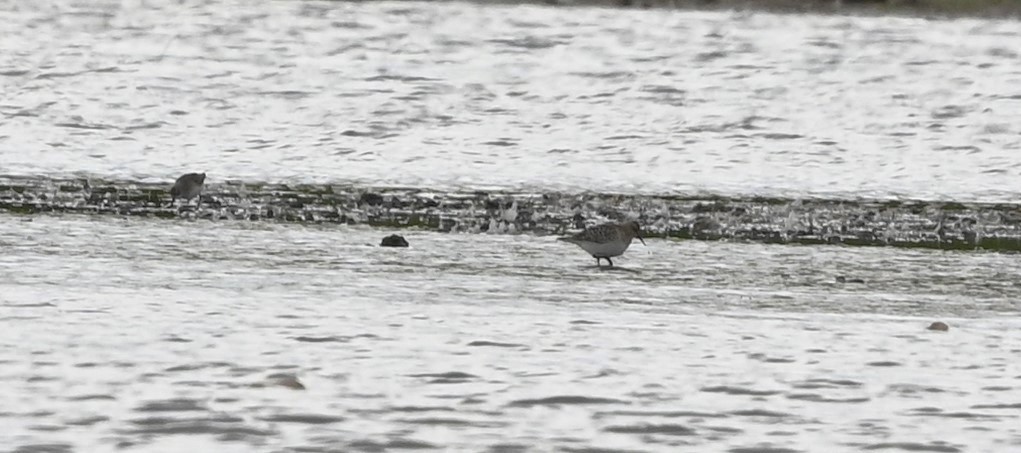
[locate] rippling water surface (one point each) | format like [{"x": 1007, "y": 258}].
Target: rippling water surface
[
  {"x": 517, "y": 96},
  {"x": 151, "y": 335},
  {"x": 163, "y": 335}
]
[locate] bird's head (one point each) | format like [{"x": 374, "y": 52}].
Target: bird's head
[{"x": 635, "y": 229}]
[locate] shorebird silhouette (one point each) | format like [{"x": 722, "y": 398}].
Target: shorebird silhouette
[
  {"x": 606, "y": 240},
  {"x": 187, "y": 187}
]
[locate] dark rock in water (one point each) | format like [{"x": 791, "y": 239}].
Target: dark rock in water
[
  {"x": 394, "y": 240},
  {"x": 396, "y": 203},
  {"x": 371, "y": 199},
  {"x": 939, "y": 326},
  {"x": 704, "y": 227}
]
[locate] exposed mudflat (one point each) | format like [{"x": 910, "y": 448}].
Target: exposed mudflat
[{"x": 940, "y": 225}]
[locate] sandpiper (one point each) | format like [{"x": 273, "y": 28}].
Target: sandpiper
[
  {"x": 187, "y": 187},
  {"x": 606, "y": 240}
]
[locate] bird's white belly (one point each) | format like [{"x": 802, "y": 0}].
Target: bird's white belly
[{"x": 606, "y": 249}]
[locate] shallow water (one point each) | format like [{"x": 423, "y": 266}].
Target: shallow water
[
  {"x": 521, "y": 97},
  {"x": 155, "y": 335},
  {"x": 125, "y": 333}
]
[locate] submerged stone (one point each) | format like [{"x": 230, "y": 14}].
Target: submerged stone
[
  {"x": 284, "y": 380},
  {"x": 939, "y": 326},
  {"x": 371, "y": 199}
]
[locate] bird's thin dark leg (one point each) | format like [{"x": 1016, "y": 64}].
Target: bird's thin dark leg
[
  {"x": 608, "y": 260},
  {"x": 598, "y": 263}
]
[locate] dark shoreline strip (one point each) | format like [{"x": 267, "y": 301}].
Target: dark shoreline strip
[
  {"x": 993, "y": 9},
  {"x": 908, "y": 224}
]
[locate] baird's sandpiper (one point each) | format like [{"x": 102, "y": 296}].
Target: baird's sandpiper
[
  {"x": 606, "y": 240},
  {"x": 187, "y": 187}
]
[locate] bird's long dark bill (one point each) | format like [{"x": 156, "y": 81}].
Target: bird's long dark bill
[{"x": 643, "y": 240}]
